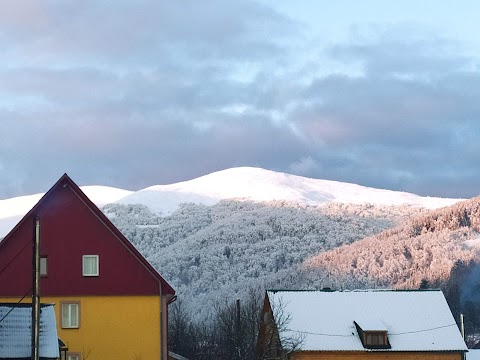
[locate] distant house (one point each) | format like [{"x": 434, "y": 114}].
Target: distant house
[
  {"x": 369, "y": 324},
  {"x": 110, "y": 302},
  {"x": 16, "y": 330}
]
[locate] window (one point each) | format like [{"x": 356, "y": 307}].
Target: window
[
  {"x": 70, "y": 314},
  {"x": 43, "y": 266},
  {"x": 90, "y": 265},
  {"x": 375, "y": 339},
  {"x": 73, "y": 356}
]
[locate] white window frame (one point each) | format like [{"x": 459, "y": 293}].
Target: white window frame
[
  {"x": 84, "y": 269},
  {"x": 66, "y": 310}
]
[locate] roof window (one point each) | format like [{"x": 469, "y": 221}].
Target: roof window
[{"x": 372, "y": 335}]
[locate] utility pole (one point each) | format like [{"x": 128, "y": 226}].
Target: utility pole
[
  {"x": 36, "y": 290},
  {"x": 462, "y": 329},
  {"x": 238, "y": 324}
]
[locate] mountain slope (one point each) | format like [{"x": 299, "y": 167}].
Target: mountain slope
[
  {"x": 256, "y": 184},
  {"x": 216, "y": 253},
  {"x": 245, "y": 183},
  {"x": 425, "y": 247}
]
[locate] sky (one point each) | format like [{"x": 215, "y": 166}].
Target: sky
[{"x": 138, "y": 93}]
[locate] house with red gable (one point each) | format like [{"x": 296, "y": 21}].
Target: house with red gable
[{"x": 110, "y": 303}]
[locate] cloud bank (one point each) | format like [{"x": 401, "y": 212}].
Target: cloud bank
[{"x": 132, "y": 94}]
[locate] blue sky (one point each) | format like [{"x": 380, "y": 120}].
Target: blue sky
[{"x": 137, "y": 93}]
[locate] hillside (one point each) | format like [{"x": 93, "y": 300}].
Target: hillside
[
  {"x": 216, "y": 253},
  {"x": 424, "y": 247}
]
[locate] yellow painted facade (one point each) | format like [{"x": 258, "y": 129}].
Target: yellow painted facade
[
  {"x": 112, "y": 327},
  {"x": 354, "y": 355}
]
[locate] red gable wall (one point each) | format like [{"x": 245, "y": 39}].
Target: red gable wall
[{"x": 72, "y": 226}]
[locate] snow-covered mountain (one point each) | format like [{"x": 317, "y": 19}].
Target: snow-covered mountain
[
  {"x": 256, "y": 184},
  {"x": 242, "y": 183}
]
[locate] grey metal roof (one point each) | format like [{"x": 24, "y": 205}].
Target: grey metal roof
[{"x": 16, "y": 327}]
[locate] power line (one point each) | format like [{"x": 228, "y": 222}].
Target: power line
[
  {"x": 13, "y": 307},
  {"x": 423, "y": 330},
  {"x": 1, "y": 271},
  {"x": 320, "y": 334},
  {"x": 390, "y": 334}
]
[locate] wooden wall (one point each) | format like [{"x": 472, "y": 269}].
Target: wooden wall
[{"x": 320, "y": 355}]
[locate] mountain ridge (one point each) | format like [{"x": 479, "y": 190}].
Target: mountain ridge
[
  {"x": 257, "y": 184},
  {"x": 240, "y": 183}
]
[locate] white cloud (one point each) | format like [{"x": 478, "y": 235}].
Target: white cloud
[{"x": 305, "y": 166}]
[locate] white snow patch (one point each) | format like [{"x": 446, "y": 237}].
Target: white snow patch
[
  {"x": 242, "y": 183},
  {"x": 103, "y": 195},
  {"x": 257, "y": 184}
]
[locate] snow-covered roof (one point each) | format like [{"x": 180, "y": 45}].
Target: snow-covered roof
[
  {"x": 473, "y": 354},
  {"x": 371, "y": 324},
  {"x": 172, "y": 355},
  {"x": 414, "y": 320},
  {"x": 15, "y": 331}
]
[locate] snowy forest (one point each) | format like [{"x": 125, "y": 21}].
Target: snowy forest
[{"x": 214, "y": 255}]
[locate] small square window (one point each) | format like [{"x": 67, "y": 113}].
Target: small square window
[
  {"x": 90, "y": 265},
  {"x": 73, "y": 356},
  {"x": 70, "y": 314},
  {"x": 43, "y": 266}
]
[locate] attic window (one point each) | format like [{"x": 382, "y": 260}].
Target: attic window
[
  {"x": 373, "y": 335},
  {"x": 90, "y": 265},
  {"x": 374, "y": 339}
]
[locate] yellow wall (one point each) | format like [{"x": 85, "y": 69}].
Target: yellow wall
[
  {"x": 112, "y": 327},
  {"x": 316, "y": 355}
]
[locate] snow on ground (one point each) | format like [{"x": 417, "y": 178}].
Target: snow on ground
[
  {"x": 12, "y": 210},
  {"x": 264, "y": 185}
]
